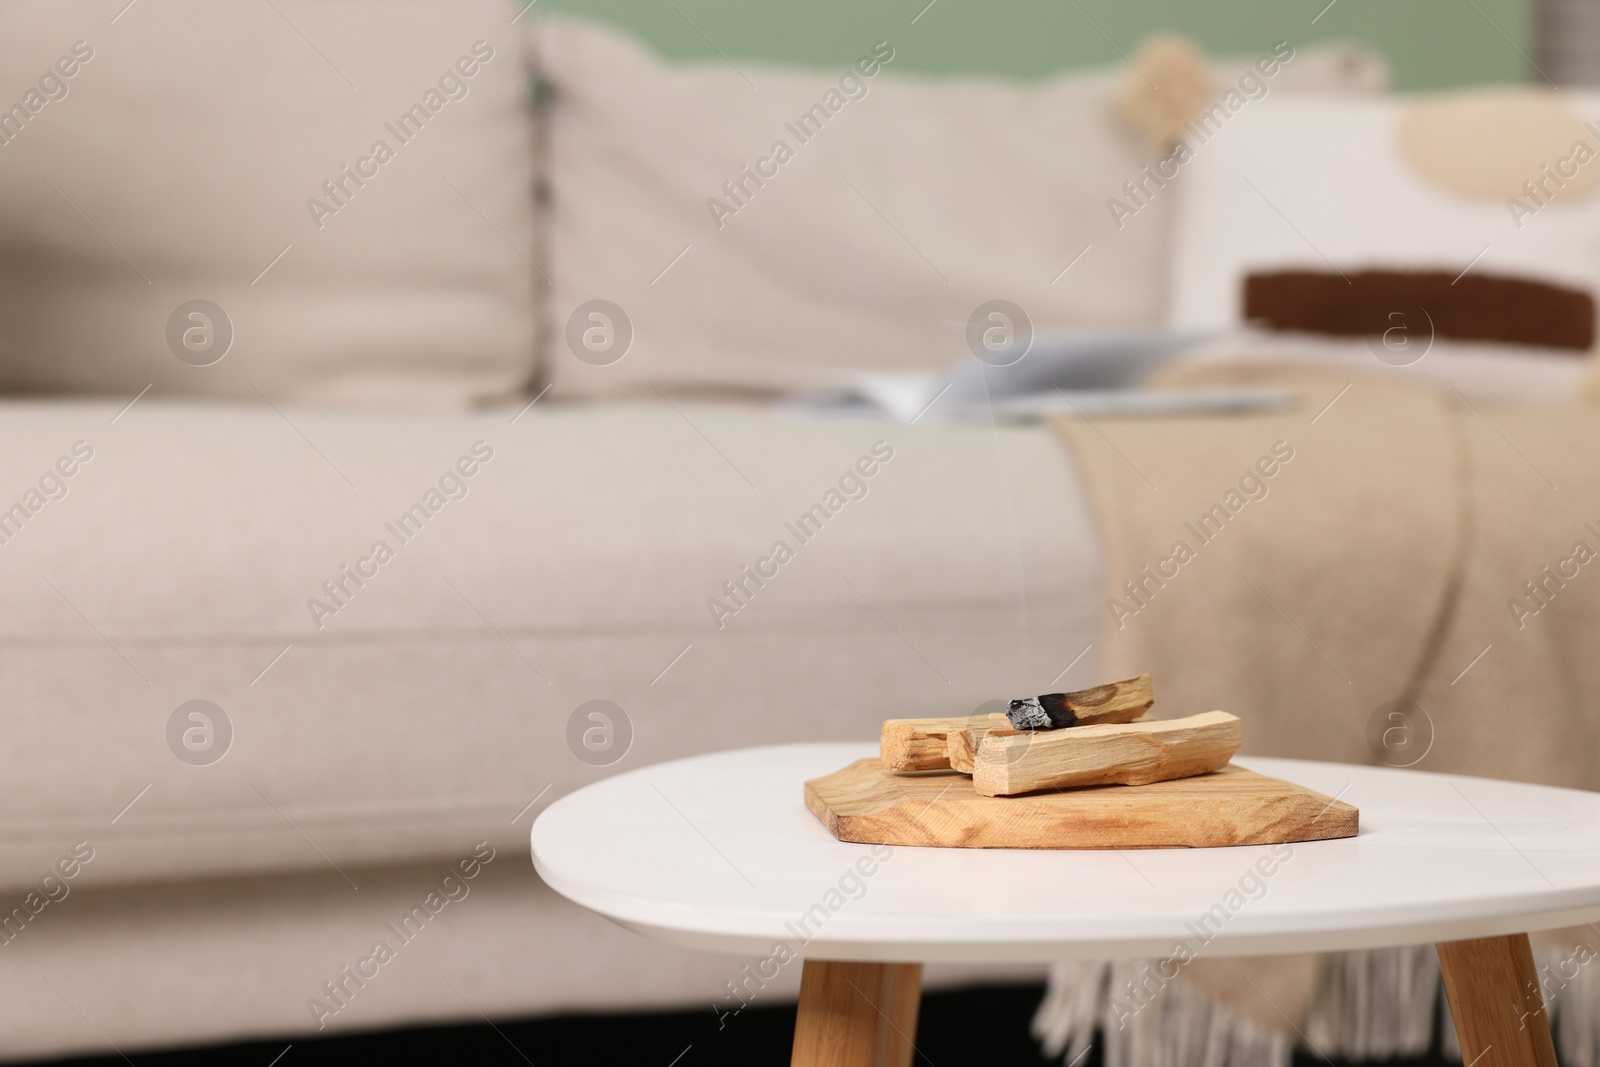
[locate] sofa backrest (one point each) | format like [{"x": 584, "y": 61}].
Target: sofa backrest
[
  {"x": 741, "y": 226},
  {"x": 321, "y": 202},
  {"x": 335, "y": 204}
]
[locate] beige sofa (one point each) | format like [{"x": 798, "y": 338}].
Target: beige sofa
[
  {"x": 375, "y": 753},
  {"x": 386, "y": 733}
]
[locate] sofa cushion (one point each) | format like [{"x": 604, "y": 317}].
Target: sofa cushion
[
  {"x": 894, "y": 207},
  {"x": 386, "y": 706},
  {"x": 761, "y": 227},
  {"x": 231, "y": 154}
]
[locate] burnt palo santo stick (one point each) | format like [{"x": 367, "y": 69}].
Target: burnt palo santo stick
[{"x": 1121, "y": 701}]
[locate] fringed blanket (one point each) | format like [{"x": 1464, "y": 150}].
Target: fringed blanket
[{"x": 1383, "y": 574}]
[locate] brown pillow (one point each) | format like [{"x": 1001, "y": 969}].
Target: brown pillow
[{"x": 1473, "y": 307}]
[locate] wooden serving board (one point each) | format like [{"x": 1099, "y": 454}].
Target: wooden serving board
[{"x": 865, "y": 802}]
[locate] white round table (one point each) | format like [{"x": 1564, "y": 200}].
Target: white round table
[{"x": 720, "y": 853}]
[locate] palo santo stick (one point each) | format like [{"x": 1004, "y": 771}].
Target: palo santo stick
[
  {"x": 961, "y": 746},
  {"x": 1109, "y": 754},
  {"x": 919, "y": 744},
  {"x": 1121, "y": 701}
]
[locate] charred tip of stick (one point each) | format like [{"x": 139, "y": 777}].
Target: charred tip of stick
[
  {"x": 1026, "y": 714},
  {"x": 1114, "y": 702},
  {"x": 1047, "y": 712},
  {"x": 1055, "y": 706}
]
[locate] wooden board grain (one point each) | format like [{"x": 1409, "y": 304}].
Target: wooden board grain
[{"x": 867, "y": 803}]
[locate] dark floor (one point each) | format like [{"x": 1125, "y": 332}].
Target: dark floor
[{"x": 977, "y": 1026}]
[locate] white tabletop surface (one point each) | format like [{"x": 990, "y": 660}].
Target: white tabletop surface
[{"x": 719, "y": 852}]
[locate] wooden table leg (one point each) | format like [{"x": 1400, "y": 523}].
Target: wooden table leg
[
  {"x": 856, "y": 1014},
  {"x": 1495, "y": 999}
]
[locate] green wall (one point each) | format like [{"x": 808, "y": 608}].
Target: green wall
[{"x": 1431, "y": 43}]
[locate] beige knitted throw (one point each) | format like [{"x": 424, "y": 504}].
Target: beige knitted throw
[{"x": 1303, "y": 569}]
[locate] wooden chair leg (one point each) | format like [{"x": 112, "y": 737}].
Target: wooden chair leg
[
  {"x": 1495, "y": 999},
  {"x": 857, "y": 1014}
]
